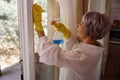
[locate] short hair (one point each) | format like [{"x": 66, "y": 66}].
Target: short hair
[{"x": 97, "y": 25}]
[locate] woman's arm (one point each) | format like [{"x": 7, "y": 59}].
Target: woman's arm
[
  {"x": 40, "y": 33},
  {"x": 52, "y": 54}
]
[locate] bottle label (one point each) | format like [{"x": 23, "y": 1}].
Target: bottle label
[{"x": 58, "y": 41}]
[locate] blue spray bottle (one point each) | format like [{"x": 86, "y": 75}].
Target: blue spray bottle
[{"x": 58, "y": 36}]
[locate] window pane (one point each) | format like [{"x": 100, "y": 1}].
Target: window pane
[
  {"x": 9, "y": 35},
  {"x": 43, "y": 4}
]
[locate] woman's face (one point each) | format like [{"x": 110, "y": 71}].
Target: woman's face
[{"x": 81, "y": 33}]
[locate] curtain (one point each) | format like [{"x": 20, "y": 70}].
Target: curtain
[
  {"x": 53, "y": 11},
  {"x": 71, "y": 12},
  {"x": 100, "y": 6}
]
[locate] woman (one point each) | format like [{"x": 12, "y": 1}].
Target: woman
[{"x": 85, "y": 54}]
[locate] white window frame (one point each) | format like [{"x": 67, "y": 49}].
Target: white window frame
[{"x": 26, "y": 38}]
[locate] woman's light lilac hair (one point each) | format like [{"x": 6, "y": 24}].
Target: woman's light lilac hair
[{"x": 97, "y": 25}]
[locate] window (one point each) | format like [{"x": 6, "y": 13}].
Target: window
[
  {"x": 43, "y": 4},
  {"x": 9, "y": 34}
]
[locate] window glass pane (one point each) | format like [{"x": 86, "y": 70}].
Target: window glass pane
[
  {"x": 9, "y": 35},
  {"x": 43, "y": 4}
]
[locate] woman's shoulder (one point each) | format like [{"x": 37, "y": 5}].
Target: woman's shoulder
[{"x": 90, "y": 49}]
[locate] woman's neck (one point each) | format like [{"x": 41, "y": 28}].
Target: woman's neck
[{"x": 88, "y": 40}]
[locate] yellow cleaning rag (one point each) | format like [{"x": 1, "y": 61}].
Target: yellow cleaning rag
[
  {"x": 62, "y": 28},
  {"x": 37, "y": 16}
]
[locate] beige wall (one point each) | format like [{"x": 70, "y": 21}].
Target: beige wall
[{"x": 115, "y": 9}]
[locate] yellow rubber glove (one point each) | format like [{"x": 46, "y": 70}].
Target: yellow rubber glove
[
  {"x": 37, "y": 16},
  {"x": 61, "y": 27}
]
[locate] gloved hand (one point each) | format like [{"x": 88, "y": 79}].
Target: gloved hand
[
  {"x": 61, "y": 27},
  {"x": 37, "y": 16}
]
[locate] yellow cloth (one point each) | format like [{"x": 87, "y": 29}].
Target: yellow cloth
[
  {"x": 61, "y": 27},
  {"x": 37, "y": 16}
]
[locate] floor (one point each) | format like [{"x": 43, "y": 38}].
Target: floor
[
  {"x": 11, "y": 73},
  {"x": 14, "y": 72}
]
